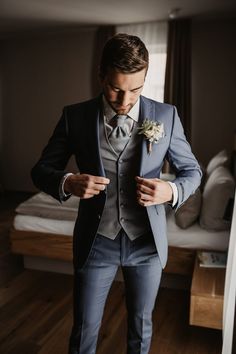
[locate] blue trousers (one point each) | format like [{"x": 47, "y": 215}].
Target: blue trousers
[{"x": 141, "y": 269}]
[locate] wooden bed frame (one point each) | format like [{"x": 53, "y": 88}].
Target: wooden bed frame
[{"x": 59, "y": 247}]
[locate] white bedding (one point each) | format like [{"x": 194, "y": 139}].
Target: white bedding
[
  {"x": 193, "y": 237},
  {"x": 45, "y": 206},
  {"x": 38, "y": 224}
]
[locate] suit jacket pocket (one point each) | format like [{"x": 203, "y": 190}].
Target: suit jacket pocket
[{"x": 160, "y": 209}]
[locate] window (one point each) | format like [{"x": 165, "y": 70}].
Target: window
[
  {"x": 154, "y": 35},
  {"x": 155, "y": 80}
]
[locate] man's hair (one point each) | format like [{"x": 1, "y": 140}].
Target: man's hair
[{"x": 124, "y": 53}]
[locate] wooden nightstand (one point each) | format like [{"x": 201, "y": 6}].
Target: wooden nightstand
[{"x": 207, "y": 295}]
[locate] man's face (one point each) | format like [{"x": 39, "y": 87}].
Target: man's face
[{"x": 123, "y": 90}]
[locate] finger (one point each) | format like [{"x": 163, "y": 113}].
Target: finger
[
  {"x": 88, "y": 183},
  {"x": 151, "y": 183},
  {"x": 144, "y": 189},
  {"x": 92, "y": 191},
  {"x": 90, "y": 178},
  {"x": 95, "y": 186},
  {"x": 81, "y": 191},
  {"x": 99, "y": 187},
  {"x": 88, "y": 194},
  {"x": 140, "y": 202},
  {"x": 145, "y": 197},
  {"x": 100, "y": 180},
  {"x": 145, "y": 203},
  {"x": 138, "y": 178}
]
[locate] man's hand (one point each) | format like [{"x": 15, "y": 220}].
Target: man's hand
[
  {"x": 85, "y": 186},
  {"x": 152, "y": 191}
]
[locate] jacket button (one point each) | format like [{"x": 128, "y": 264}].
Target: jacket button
[{"x": 99, "y": 216}]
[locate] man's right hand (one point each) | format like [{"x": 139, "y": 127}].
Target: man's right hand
[{"x": 85, "y": 186}]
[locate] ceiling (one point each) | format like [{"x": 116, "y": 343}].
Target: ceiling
[{"x": 32, "y": 15}]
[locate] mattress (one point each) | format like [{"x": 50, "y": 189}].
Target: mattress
[
  {"x": 45, "y": 225},
  {"x": 45, "y": 206},
  {"x": 196, "y": 237},
  {"x": 193, "y": 237}
]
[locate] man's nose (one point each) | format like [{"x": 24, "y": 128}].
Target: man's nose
[{"x": 124, "y": 99}]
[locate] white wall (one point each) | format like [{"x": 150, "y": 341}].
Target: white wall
[
  {"x": 41, "y": 75},
  {"x": 213, "y": 86}
]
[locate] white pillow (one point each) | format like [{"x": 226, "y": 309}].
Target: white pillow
[
  {"x": 45, "y": 206},
  {"x": 189, "y": 211},
  {"x": 220, "y": 159},
  {"x": 218, "y": 191}
]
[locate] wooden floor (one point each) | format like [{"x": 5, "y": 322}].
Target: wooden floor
[{"x": 36, "y": 310}]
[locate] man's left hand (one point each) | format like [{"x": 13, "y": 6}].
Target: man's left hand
[{"x": 152, "y": 191}]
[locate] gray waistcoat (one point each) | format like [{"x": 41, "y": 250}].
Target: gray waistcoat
[{"x": 122, "y": 209}]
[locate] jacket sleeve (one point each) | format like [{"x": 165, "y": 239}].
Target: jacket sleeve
[
  {"x": 180, "y": 156},
  {"x": 49, "y": 170}
]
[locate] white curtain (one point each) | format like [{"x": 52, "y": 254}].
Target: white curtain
[
  {"x": 154, "y": 36},
  {"x": 230, "y": 289}
]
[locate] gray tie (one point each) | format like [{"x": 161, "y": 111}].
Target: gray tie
[{"x": 119, "y": 136}]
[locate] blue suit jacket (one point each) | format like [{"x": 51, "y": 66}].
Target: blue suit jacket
[{"x": 77, "y": 133}]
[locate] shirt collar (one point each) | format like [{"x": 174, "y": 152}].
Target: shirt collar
[{"x": 109, "y": 113}]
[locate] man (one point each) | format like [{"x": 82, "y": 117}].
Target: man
[{"x": 121, "y": 217}]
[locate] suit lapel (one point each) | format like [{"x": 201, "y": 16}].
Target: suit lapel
[
  {"x": 146, "y": 112},
  {"x": 94, "y": 113}
]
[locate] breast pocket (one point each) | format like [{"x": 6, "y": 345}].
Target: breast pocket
[
  {"x": 160, "y": 147},
  {"x": 162, "y": 141}
]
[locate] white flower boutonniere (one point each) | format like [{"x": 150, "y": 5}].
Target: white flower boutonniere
[{"x": 153, "y": 131}]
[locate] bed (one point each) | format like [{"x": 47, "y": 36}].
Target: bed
[{"x": 43, "y": 229}]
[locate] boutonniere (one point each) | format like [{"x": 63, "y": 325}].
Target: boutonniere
[{"x": 153, "y": 132}]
